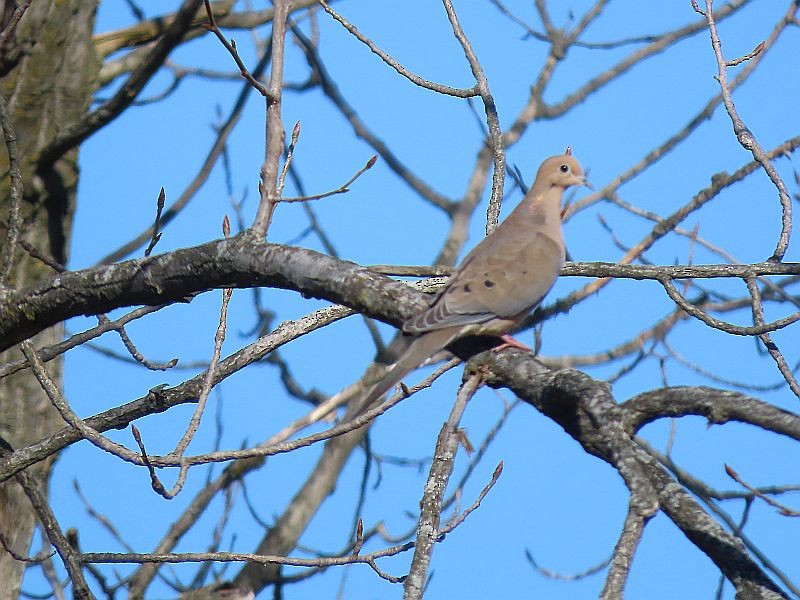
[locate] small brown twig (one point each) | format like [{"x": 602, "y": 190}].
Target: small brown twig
[
  {"x": 210, "y": 376},
  {"x": 529, "y": 31},
  {"x": 287, "y": 163},
  {"x": 782, "y": 509},
  {"x": 50, "y": 352},
  {"x": 458, "y": 519},
  {"x": 752, "y": 387},
  {"x": 40, "y": 556},
  {"x": 750, "y": 55},
  {"x": 342, "y": 189},
  {"x": 230, "y": 46},
  {"x": 102, "y": 519},
  {"x": 45, "y": 259},
  {"x": 555, "y": 575},
  {"x": 156, "y": 224},
  {"x": 155, "y": 482},
  {"x": 133, "y": 351}
]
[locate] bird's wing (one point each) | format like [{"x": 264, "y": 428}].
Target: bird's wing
[{"x": 506, "y": 275}]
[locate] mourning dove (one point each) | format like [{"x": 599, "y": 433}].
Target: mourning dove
[{"x": 500, "y": 281}]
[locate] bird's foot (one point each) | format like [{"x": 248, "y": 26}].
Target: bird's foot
[{"x": 510, "y": 342}]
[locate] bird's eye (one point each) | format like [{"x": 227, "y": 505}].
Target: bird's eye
[{"x": 565, "y": 168}]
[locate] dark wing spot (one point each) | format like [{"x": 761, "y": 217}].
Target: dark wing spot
[
  {"x": 467, "y": 289},
  {"x": 489, "y": 283}
]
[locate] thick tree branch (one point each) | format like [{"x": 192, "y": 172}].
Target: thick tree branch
[
  {"x": 245, "y": 261},
  {"x": 587, "y": 411},
  {"x": 718, "y": 406}
]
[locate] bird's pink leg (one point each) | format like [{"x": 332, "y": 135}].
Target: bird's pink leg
[{"x": 510, "y": 342}]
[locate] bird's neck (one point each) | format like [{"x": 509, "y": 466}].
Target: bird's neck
[{"x": 545, "y": 208}]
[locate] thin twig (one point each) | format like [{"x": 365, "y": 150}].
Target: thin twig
[
  {"x": 40, "y": 556},
  {"x": 766, "y": 339},
  {"x": 475, "y": 460},
  {"x": 41, "y": 506},
  {"x": 492, "y": 119},
  {"x": 50, "y": 352},
  {"x": 41, "y": 256},
  {"x": 413, "y": 78},
  {"x": 700, "y": 314},
  {"x": 156, "y": 224},
  {"x": 75, "y": 133},
  {"x": 205, "y": 390},
  {"x": 133, "y": 351},
  {"x": 743, "y": 133},
  {"x": 557, "y": 576},
  {"x": 69, "y": 416},
  {"x": 103, "y": 520},
  {"x": 749, "y": 56},
  {"x": 361, "y": 131},
  {"x": 783, "y": 509},
  {"x": 216, "y": 150},
  {"x": 288, "y": 162},
  {"x": 344, "y": 188},
  {"x": 753, "y": 387},
  {"x": 231, "y": 48},
  {"x": 460, "y": 518},
  {"x": 267, "y": 188}
]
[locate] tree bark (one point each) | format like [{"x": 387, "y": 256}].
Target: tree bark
[{"x": 50, "y": 68}]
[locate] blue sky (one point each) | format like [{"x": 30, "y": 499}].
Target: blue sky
[{"x": 564, "y": 506}]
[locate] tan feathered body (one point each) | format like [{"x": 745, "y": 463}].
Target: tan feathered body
[{"x": 500, "y": 281}]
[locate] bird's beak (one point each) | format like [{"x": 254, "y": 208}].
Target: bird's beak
[{"x": 581, "y": 181}]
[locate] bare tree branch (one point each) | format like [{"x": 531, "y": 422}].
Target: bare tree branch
[{"x": 75, "y": 133}]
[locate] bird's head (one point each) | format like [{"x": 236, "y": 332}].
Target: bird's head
[{"x": 562, "y": 171}]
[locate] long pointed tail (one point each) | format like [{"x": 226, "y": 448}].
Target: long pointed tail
[{"x": 420, "y": 349}]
